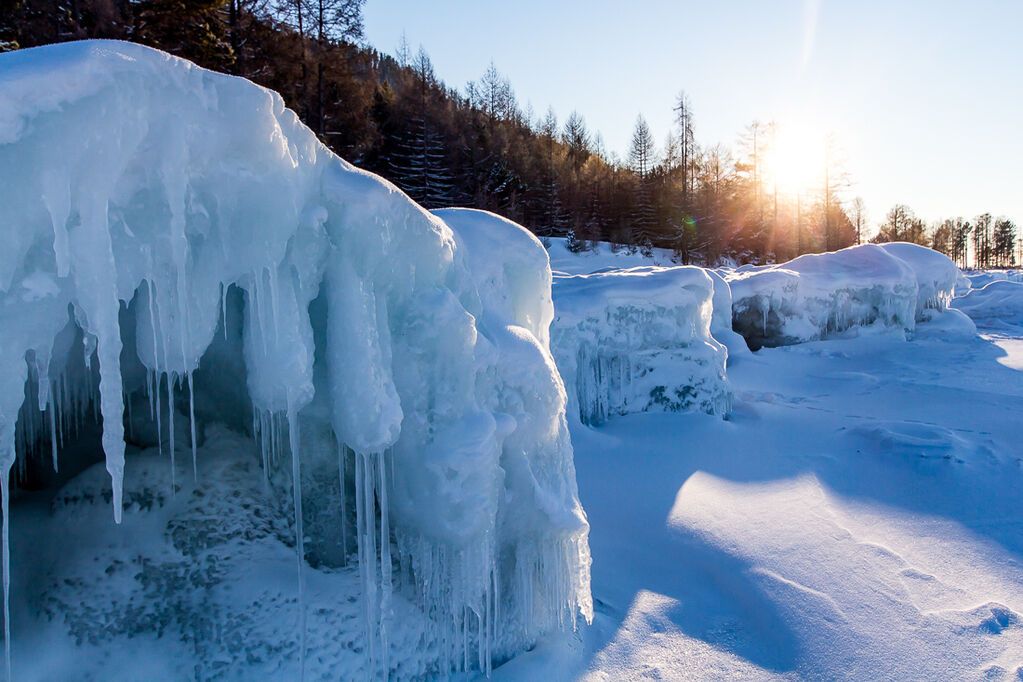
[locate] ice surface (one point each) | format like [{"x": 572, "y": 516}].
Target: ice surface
[
  {"x": 819, "y": 295},
  {"x": 636, "y": 340},
  {"x": 157, "y": 201}
]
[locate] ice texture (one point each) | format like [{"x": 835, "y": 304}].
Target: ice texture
[
  {"x": 818, "y": 295},
  {"x": 936, "y": 275},
  {"x": 636, "y": 340},
  {"x": 154, "y": 200}
]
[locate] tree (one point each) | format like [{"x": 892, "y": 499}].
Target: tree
[
  {"x": 642, "y": 159},
  {"x": 859, "y": 217},
  {"x": 1004, "y": 242},
  {"x": 982, "y": 251}
]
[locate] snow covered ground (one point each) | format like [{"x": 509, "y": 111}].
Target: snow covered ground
[{"x": 856, "y": 517}]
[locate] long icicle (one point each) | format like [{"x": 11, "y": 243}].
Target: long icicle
[
  {"x": 294, "y": 438},
  {"x": 191, "y": 424}
]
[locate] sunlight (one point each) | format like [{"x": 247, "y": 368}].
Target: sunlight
[{"x": 795, "y": 157}]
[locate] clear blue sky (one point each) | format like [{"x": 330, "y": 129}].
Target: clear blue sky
[{"x": 926, "y": 98}]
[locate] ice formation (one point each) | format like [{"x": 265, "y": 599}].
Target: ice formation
[
  {"x": 638, "y": 339},
  {"x": 721, "y": 318},
  {"x": 144, "y": 202},
  {"x": 936, "y": 275},
  {"x": 817, "y": 295}
]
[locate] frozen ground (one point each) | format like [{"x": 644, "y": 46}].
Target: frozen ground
[{"x": 856, "y": 517}]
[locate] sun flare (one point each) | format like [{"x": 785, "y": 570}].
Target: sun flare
[{"x": 795, "y": 157}]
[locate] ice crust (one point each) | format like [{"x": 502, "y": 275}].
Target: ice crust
[
  {"x": 152, "y": 199},
  {"x": 819, "y": 295},
  {"x": 637, "y": 340}
]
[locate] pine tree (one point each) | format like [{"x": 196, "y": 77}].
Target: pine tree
[{"x": 641, "y": 159}]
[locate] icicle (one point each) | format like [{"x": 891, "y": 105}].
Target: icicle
[
  {"x": 223, "y": 307},
  {"x": 191, "y": 424},
  {"x": 385, "y": 562},
  {"x": 52, "y": 409},
  {"x": 170, "y": 430},
  {"x": 341, "y": 478},
  {"x": 5, "y": 493},
  {"x": 294, "y": 438}
]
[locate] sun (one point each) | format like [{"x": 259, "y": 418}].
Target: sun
[{"x": 795, "y": 157}]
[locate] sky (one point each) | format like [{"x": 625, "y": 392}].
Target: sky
[{"x": 924, "y": 99}]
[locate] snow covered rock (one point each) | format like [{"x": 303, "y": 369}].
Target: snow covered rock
[
  {"x": 999, "y": 301},
  {"x": 936, "y": 275},
  {"x": 202, "y": 238},
  {"x": 817, "y": 295},
  {"x": 637, "y": 340}
]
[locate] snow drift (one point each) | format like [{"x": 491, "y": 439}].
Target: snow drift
[
  {"x": 145, "y": 201},
  {"x": 998, "y": 302},
  {"x": 636, "y": 340},
  {"x": 818, "y": 295}
]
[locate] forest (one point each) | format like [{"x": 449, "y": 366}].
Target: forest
[{"x": 478, "y": 146}]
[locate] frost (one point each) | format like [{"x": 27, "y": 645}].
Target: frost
[
  {"x": 638, "y": 339},
  {"x": 147, "y": 204}
]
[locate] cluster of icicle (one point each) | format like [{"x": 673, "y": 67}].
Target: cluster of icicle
[
  {"x": 136, "y": 190},
  {"x": 638, "y": 340}
]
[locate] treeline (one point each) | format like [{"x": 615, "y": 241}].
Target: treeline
[
  {"x": 475, "y": 146},
  {"x": 986, "y": 242}
]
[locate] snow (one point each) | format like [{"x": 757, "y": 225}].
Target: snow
[
  {"x": 854, "y": 518},
  {"x": 998, "y": 303},
  {"x": 201, "y": 236},
  {"x": 602, "y": 255},
  {"x": 636, "y": 340},
  {"x": 817, "y": 296}
]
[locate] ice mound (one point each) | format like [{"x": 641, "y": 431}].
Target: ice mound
[
  {"x": 999, "y": 301},
  {"x": 187, "y": 221},
  {"x": 636, "y": 340},
  {"x": 936, "y": 275},
  {"x": 818, "y": 295}
]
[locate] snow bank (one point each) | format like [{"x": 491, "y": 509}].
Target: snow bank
[
  {"x": 156, "y": 200},
  {"x": 1000, "y": 301},
  {"x": 636, "y": 340},
  {"x": 936, "y": 275},
  {"x": 980, "y": 278},
  {"x": 817, "y": 295}
]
